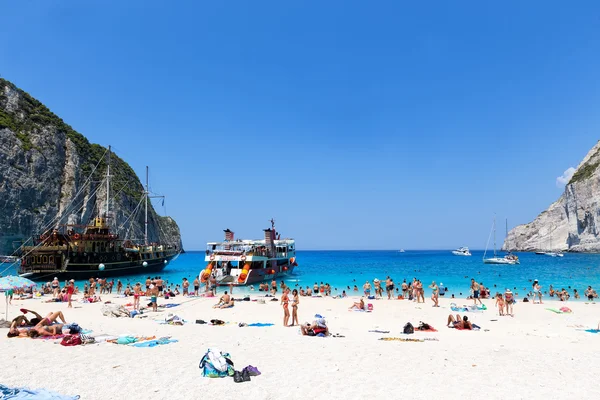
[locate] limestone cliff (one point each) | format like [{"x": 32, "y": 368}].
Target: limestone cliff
[
  {"x": 572, "y": 222},
  {"x": 44, "y": 171}
]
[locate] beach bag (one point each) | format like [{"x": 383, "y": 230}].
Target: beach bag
[
  {"x": 409, "y": 329},
  {"x": 71, "y": 340},
  {"x": 216, "y": 364},
  {"x": 369, "y": 307},
  {"x": 73, "y": 328}
]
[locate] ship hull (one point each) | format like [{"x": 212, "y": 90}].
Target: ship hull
[
  {"x": 85, "y": 271},
  {"x": 256, "y": 276}
]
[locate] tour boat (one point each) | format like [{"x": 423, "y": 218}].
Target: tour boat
[
  {"x": 244, "y": 262},
  {"x": 94, "y": 250}
]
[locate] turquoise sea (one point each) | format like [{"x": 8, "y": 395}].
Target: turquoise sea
[{"x": 346, "y": 268}]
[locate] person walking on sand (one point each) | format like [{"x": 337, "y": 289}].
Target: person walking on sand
[
  {"x": 435, "y": 294},
  {"x": 508, "y": 301},
  {"x": 285, "y": 301},
  {"x": 154, "y": 296},
  {"x": 137, "y": 292},
  {"x": 119, "y": 286},
  {"x": 295, "y": 302},
  {"x": 404, "y": 289},
  {"x": 475, "y": 289},
  {"x": 70, "y": 291}
]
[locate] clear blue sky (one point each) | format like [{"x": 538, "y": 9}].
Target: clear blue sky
[{"x": 357, "y": 125}]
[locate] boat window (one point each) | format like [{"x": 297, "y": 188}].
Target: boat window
[
  {"x": 51, "y": 259},
  {"x": 45, "y": 259}
]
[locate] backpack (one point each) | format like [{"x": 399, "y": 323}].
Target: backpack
[
  {"x": 216, "y": 364},
  {"x": 408, "y": 329},
  {"x": 71, "y": 340}
]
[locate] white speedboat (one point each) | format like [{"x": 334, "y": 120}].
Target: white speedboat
[
  {"x": 463, "y": 251},
  {"x": 553, "y": 254}
]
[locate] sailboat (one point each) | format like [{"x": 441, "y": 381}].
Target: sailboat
[
  {"x": 553, "y": 253},
  {"x": 509, "y": 259}
]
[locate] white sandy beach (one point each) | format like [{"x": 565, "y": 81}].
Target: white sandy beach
[{"x": 537, "y": 354}]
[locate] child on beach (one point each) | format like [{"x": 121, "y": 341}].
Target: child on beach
[{"x": 500, "y": 304}]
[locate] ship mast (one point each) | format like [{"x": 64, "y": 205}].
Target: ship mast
[
  {"x": 146, "y": 193},
  {"x": 108, "y": 183}
]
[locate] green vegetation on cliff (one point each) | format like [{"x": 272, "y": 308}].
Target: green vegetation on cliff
[
  {"x": 586, "y": 170},
  {"x": 34, "y": 115}
]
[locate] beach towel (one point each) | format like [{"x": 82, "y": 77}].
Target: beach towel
[
  {"x": 378, "y": 331},
  {"x": 562, "y": 310},
  {"x": 27, "y": 394},
  {"x": 154, "y": 343},
  {"x": 169, "y": 305},
  {"x": 593, "y": 330},
  {"x": 398, "y": 339},
  {"x": 260, "y": 324}
]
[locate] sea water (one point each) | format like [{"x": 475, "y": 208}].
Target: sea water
[{"x": 343, "y": 269}]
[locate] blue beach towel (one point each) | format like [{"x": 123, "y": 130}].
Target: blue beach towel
[
  {"x": 260, "y": 324},
  {"x": 27, "y": 394},
  {"x": 154, "y": 343},
  {"x": 169, "y": 305},
  {"x": 593, "y": 330}
]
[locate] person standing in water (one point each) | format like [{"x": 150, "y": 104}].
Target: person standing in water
[
  {"x": 284, "y": 302},
  {"x": 295, "y": 302}
]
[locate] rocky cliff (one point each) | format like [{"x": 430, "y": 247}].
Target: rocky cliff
[
  {"x": 45, "y": 168},
  {"x": 571, "y": 223}
]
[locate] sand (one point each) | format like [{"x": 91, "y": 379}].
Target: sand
[{"x": 534, "y": 355}]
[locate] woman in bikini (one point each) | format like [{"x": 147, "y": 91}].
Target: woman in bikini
[
  {"x": 137, "y": 292},
  {"x": 358, "y": 306},
  {"x": 285, "y": 299},
  {"x": 51, "y": 330},
  {"x": 509, "y": 300},
  {"x": 295, "y": 302},
  {"x": 51, "y": 318}
]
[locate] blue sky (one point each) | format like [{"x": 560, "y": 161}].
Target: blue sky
[{"x": 357, "y": 125}]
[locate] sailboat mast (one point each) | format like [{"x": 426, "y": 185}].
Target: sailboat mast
[
  {"x": 108, "y": 183},
  {"x": 494, "y": 236},
  {"x": 146, "y": 212}
]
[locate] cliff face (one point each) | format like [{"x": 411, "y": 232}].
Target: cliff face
[
  {"x": 571, "y": 223},
  {"x": 44, "y": 171}
]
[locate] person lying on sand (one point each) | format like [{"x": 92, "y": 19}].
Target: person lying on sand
[
  {"x": 51, "y": 330},
  {"x": 458, "y": 322},
  {"x": 358, "y": 306},
  {"x": 51, "y": 318},
  {"x": 20, "y": 323},
  {"x": 314, "y": 329}
]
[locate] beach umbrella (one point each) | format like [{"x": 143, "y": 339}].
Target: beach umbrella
[{"x": 12, "y": 282}]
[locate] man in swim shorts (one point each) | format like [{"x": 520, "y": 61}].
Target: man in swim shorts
[
  {"x": 475, "y": 289},
  {"x": 389, "y": 287}
]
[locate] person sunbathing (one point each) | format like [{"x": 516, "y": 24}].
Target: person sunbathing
[
  {"x": 314, "y": 329},
  {"x": 21, "y": 324},
  {"x": 358, "y": 306},
  {"x": 458, "y": 322},
  {"x": 224, "y": 302},
  {"x": 51, "y": 318},
  {"x": 50, "y": 330}
]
